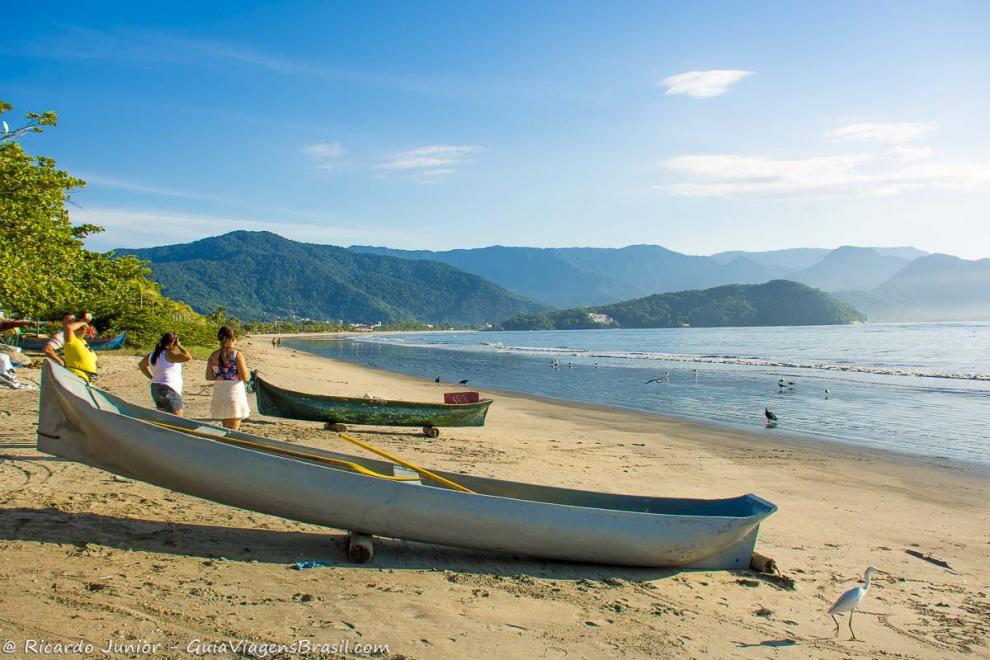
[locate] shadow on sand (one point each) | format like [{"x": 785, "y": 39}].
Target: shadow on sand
[{"x": 285, "y": 547}]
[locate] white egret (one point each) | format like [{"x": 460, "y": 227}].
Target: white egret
[{"x": 849, "y": 601}]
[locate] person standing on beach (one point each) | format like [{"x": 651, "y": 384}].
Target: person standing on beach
[
  {"x": 164, "y": 367},
  {"x": 79, "y": 357},
  {"x": 227, "y": 369},
  {"x": 57, "y": 341}
]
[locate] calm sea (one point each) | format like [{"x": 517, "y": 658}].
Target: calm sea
[{"x": 921, "y": 389}]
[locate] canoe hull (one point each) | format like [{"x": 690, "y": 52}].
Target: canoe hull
[
  {"x": 111, "y": 344},
  {"x": 278, "y": 402},
  {"x": 96, "y": 428}
]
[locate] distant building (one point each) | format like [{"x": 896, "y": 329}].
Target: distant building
[{"x": 600, "y": 319}]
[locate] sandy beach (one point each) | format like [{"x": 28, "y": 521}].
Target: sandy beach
[{"x": 87, "y": 557}]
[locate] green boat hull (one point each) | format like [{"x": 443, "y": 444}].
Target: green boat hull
[{"x": 277, "y": 402}]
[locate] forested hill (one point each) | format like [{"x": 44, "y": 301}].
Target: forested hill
[
  {"x": 259, "y": 275},
  {"x": 778, "y": 302}
]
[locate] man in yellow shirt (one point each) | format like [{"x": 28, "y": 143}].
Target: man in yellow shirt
[{"x": 79, "y": 357}]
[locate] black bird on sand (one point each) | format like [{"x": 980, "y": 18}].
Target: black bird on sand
[
  {"x": 769, "y": 415},
  {"x": 437, "y": 380},
  {"x": 463, "y": 382}
]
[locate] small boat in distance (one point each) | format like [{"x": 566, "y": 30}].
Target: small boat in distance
[
  {"x": 105, "y": 344},
  {"x": 338, "y": 411},
  {"x": 82, "y": 423},
  {"x": 108, "y": 344}
]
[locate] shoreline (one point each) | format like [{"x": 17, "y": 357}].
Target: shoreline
[
  {"x": 90, "y": 556},
  {"x": 790, "y": 439}
]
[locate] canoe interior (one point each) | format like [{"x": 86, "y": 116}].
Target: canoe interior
[{"x": 279, "y": 402}]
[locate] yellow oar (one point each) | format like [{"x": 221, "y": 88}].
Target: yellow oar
[
  {"x": 285, "y": 452},
  {"x": 396, "y": 459}
]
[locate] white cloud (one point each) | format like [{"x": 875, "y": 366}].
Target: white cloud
[
  {"x": 852, "y": 175},
  {"x": 133, "y": 228},
  {"x": 703, "y": 84},
  {"x": 325, "y": 155},
  {"x": 884, "y": 132},
  {"x": 108, "y": 181},
  {"x": 434, "y": 160},
  {"x": 910, "y": 153}
]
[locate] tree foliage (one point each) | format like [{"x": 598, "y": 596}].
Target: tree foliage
[
  {"x": 42, "y": 251},
  {"x": 46, "y": 268}
]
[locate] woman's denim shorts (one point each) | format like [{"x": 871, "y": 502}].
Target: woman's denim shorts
[{"x": 166, "y": 398}]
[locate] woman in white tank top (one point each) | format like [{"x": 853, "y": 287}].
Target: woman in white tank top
[{"x": 164, "y": 368}]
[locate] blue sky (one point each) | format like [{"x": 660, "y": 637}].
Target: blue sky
[{"x": 700, "y": 126}]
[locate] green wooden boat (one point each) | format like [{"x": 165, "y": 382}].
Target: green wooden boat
[{"x": 337, "y": 411}]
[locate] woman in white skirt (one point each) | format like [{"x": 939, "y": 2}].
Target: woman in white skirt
[{"x": 226, "y": 367}]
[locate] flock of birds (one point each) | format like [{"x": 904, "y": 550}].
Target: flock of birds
[
  {"x": 460, "y": 382},
  {"x": 771, "y": 417}
]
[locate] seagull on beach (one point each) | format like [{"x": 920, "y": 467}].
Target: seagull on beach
[
  {"x": 771, "y": 418},
  {"x": 849, "y": 601},
  {"x": 437, "y": 380}
]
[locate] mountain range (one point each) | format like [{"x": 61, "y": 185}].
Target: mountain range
[
  {"x": 571, "y": 277},
  {"x": 875, "y": 280},
  {"x": 938, "y": 287},
  {"x": 262, "y": 275},
  {"x": 256, "y": 275}
]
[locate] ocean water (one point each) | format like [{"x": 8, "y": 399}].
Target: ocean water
[{"x": 921, "y": 389}]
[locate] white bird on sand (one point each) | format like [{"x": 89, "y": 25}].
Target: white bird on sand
[{"x": 849, "y": 601}]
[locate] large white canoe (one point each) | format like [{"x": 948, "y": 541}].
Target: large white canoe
[{"x": 91, "y": 426}]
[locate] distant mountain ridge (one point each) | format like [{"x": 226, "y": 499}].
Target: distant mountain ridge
[
  {"x": 257, "y": 275},
  {"x": 584, "y": 276},
  {"x": 579, "y": 277},
  {"x": 778, "y": 302},
  {"x": 938, "y": 287},
  {"x": 850, "y": 267}
]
